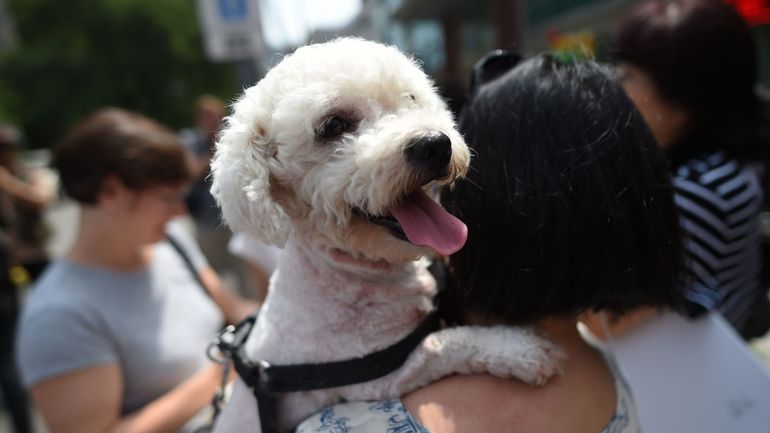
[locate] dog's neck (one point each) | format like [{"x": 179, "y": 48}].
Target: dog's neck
[
  {"x": 339, "y": 263},
  {"x": 319, "y": 296}
]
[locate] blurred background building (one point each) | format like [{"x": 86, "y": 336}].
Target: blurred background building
[
  {"x": 448, "y": 36},
  {"x": 465, "y": 30}
]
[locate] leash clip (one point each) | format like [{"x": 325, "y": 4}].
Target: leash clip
[{"x": 219, "y": 349}]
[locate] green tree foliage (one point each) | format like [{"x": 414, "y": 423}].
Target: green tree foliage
[{"x": 75, "y": 56}]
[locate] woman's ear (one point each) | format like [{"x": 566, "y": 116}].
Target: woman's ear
[{"x": 113, "y": 194}]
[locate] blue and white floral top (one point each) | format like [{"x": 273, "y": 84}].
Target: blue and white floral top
[
  {"x": 361, "y": 417},
  {"x": 392, "y": 417}
]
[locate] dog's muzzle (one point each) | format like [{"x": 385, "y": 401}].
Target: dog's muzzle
[{"x": 430, "y": 153}]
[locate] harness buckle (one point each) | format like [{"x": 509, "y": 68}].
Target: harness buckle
[{"x": 263, "y": 376}]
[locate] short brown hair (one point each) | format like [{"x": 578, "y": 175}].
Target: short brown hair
[{"x": 139, "y": 151}]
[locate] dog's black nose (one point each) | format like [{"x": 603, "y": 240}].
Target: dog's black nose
[{"x": 430, "y": 151}]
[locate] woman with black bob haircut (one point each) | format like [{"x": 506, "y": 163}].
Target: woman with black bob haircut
[{"x": 690, "y": 66}]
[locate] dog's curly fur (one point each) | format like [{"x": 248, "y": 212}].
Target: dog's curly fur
[
  {"x": 287, "y": 175},
  {"x": 345, "y": 286}
]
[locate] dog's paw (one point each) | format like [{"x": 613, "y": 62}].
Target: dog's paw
[
  {"x": 503, "y": 351},
  {"x": 515, "y": 352},
  {"x": 539, "y": 359}
]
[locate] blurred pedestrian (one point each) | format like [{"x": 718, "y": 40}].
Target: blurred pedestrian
[
  {"x": 211, "y": 233},
  {"x": 113, "y": 335},
  {"x": 691, "y": 68},
  {"x": 13, "y": 192},
  {"x": 25, "y": 192}
]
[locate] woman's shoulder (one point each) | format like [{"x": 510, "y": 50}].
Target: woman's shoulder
[
  {"x": 66, "y": 292},
  {"x": 487, "y": 404},
  {"x": 713, "y": 188},
  {"x": 53, "y": 289},
  {"x": 714, "y": 171},
  {"x": 483, "y": 403},
  {"x": 584, "y": 399},
  {"x": 442, "y": 409},
  {"x": 56, "y": 336}
]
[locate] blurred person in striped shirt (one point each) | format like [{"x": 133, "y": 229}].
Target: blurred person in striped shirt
[{"x": 690, "y": 66}]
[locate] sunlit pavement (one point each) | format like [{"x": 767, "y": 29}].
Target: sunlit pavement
[{"x": 761, "y": 346}]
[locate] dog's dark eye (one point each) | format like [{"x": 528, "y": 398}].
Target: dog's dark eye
[
  {"x": 333, "y": 127},
  {"x": 409, "y": 97}
]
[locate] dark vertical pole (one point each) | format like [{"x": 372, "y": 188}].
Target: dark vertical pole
[
  {"x": 507, "y": 20},
  {"x": 452, "y": 81},
  {"x": 452, "y": 29}
]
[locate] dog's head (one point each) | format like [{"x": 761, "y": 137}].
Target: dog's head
[{"x": 340, "y": 142}]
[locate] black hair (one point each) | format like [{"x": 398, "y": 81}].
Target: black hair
[
  {"x": 701, "y": 56},
  {"x": 568, "y": 202}
]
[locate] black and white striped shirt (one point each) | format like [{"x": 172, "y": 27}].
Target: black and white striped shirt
[{"x": 719, "y": 200}]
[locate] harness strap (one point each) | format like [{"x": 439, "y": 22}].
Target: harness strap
[
  {"x": 267, "y": 405},
  {"x": 266, "y": 380}
]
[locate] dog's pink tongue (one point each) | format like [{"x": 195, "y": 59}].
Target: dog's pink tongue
[{"x": 427, "y": 224}]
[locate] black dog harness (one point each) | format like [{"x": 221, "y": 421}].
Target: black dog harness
[{"x": 267, "y": 381}]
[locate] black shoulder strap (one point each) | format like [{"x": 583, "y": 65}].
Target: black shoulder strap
[
  {"x": 187, "y": 261},
  {"x": 267, "y": 381},
  {"x": 303, "y": 377}
]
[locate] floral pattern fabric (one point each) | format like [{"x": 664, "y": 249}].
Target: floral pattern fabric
[{"x": 363, "y": 417}]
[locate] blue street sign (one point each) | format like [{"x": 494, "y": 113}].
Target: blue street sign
[{"x": 233, "y": 10}]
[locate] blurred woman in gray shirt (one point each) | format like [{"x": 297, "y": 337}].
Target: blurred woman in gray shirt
[{"x": 113, "y": 336}]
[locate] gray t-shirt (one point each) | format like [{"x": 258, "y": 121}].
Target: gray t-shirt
[{"x": 155, "y": 322}]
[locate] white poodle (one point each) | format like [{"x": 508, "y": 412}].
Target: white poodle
[{"x": 333, "y": 155}]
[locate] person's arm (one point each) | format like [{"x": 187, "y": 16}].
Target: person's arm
[
  {"x": 233, "y": 306},
  {"x": 33, "y": 194},
  {"x": 89, "y": 401}
]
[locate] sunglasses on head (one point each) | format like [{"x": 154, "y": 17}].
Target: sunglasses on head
[{"x": 492, "y": 66}]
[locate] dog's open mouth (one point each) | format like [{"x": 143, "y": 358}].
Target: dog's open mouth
[
  {"x": 418, "y": 219},
  {"x": 387, "y": 221}
]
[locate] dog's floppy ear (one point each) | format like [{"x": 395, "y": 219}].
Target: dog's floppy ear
[{"x": 241, "y": 173}]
